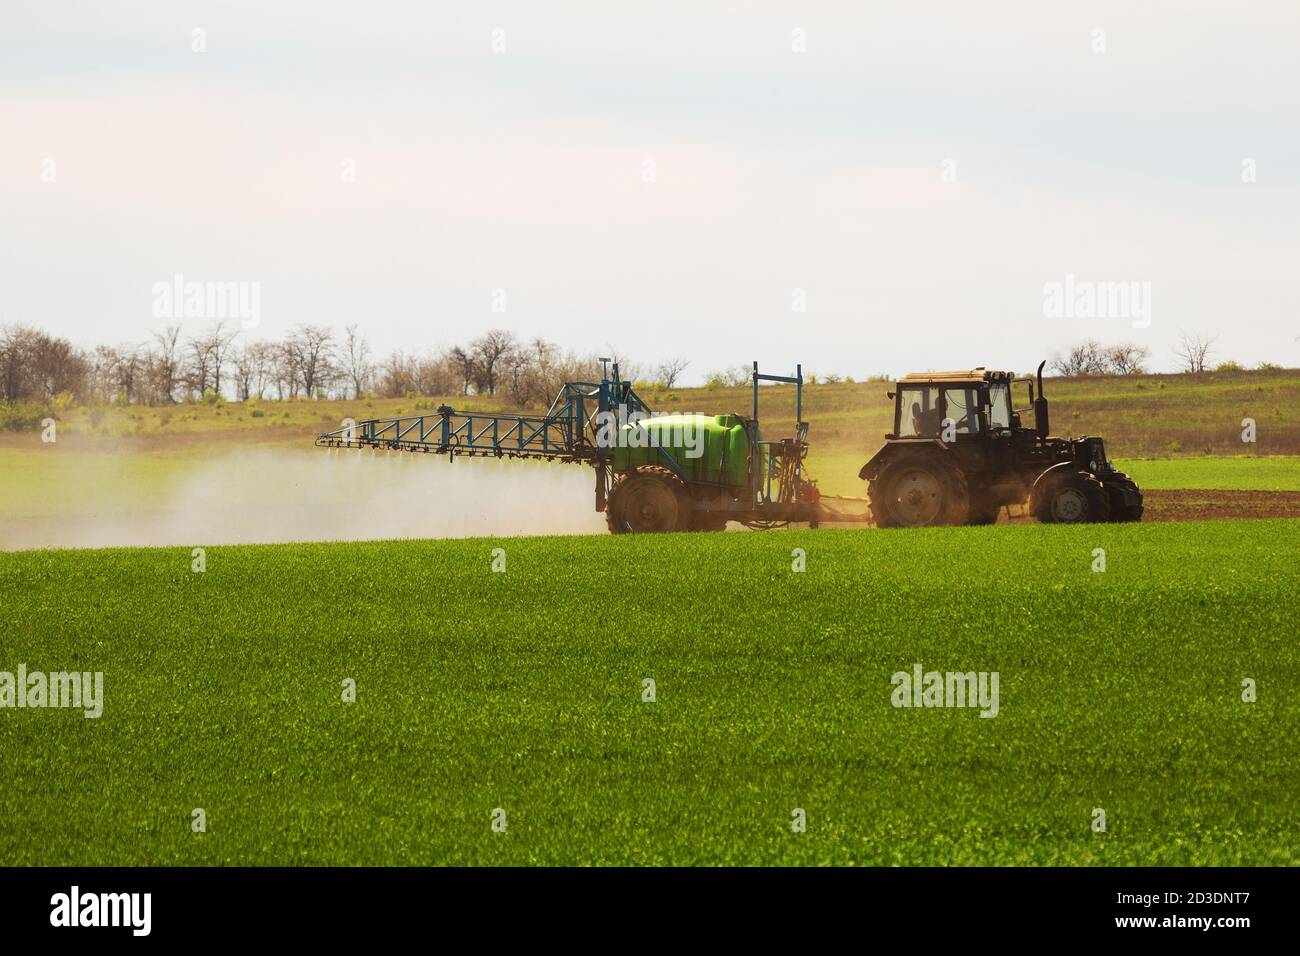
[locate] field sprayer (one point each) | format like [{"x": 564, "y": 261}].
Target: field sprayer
[
  {"x": 958, "y": 454},
  {"x": 653, "y": 472}
]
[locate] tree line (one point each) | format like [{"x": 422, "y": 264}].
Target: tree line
[
  {"x": 1191, "y": 352},
  {"x": 310, "y": 362}
]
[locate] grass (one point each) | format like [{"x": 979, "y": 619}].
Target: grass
[
  {"x": 50, "y": 481},
  {"x": 837, "y": 472},
  {"x": 1243, "y": 473},
  {"x": 1119, "y": 690}
]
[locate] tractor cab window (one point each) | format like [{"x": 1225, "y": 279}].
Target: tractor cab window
[
  {"x": 963, "y": 409},
  {"x": 1000, "y": 402},
  {"x": 918, "y": 411}
]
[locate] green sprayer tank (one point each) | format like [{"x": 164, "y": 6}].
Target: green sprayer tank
[{"x": 719, "y": 444}]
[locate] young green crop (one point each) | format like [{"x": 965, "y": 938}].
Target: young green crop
[
  {"x": 1245, "y": 473},
  {"x": 523, "y": 691}
]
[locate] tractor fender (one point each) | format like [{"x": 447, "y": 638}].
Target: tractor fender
[
  {"x": 1042, "y": 481},
  {"x": 896, "y": 449}
]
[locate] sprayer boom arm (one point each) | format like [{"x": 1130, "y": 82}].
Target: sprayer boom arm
[{"x": 562, "y": 434}]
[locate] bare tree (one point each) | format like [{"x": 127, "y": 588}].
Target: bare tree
[
  {"x": 263, "y": 368},
  {"x": 166, "y": 362},
  {"x": 517, "y": 369},
  {"x": 17, "y": 351},
  {"x": 219, "y": 338},
  {"x": 557, "y": 367},
  {"x": 1126, "y": 358},
  {"x": 1193, "y": 351},
  {"x": 241, "y": 363},
  {"x": 207, "y": 356},
  {"x": 668, "y": 372},
  {"x": 284, "y": 369},
  {"x": 740, "y": 375},
  {"x": 197, "y": 369},
  {"x": 466, "y": 364},
  {"x": 356, "y": 360},
  {"x": 541, "y": 350},
  {"x": 527, "y": 373},
  {"x": 489, "y": 349},
  {"x": 254, "y": 366},
  {"x": 546, "y": 356},
  {"x": 120, "y": 373},
  {"x": 61, "y": 368},
  {"x": 311, "y": 350},
  {"x": 36, "y": 367},
  {"x": 1083, "y": 358},
  {"x": 396, "y": 375}
]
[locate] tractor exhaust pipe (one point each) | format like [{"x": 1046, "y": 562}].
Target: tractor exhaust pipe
[{"x": 1040, "y": 407}]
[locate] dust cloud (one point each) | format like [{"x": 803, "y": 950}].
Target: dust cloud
[{"x": 268, "y": 496}]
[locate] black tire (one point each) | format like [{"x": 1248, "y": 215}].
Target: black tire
[
  {"x": 1072, "y": 498},
  {"x": 915, "y": 492},
  {"x": 613, "y": 505},
  {"x": 647, "y": 502},
  {"x": 1120, "y": 509}
]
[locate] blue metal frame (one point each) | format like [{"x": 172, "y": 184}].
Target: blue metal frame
[
  {"x": 557, "y": 435},
  {"x": 759, "y": 494}
]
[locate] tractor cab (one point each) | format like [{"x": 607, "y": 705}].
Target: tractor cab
[{"x": 953, "y": 406}]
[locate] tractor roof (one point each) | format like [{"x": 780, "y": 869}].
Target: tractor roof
[{"x": 972, "y": 376}]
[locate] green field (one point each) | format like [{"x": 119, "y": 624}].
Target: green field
[
  {"x": 837, "y": 472},
  {"x": 522, "y": 691},
  {"x": 49, "y": 481},
  {"x": 1245, "y": 474}
]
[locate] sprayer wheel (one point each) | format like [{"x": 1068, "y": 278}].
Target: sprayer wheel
[
  {"x": 614, "y": 505},
  {"x": 649, "y": 500},
  {"x": 679, "y": 488}
]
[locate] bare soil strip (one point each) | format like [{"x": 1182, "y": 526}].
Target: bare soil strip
[{"x": 1191, "y": 504}]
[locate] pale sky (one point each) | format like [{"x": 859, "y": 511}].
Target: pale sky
[{"x": 914, "y": 177}]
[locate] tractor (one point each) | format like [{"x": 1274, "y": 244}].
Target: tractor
[{"x": 959, "y": 452}]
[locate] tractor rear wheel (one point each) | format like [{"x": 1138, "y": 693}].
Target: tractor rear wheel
[
  {"x": 1073, "y": 498},
  {"x": 918, "y": 492},
  {"x": 1120, "y": 509},
  {"x": 647, "y": 502}
]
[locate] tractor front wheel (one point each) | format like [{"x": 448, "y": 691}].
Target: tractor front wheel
[
  {"x": 1073, "y": 499},
  {"x": 1125, "y": 498}
]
